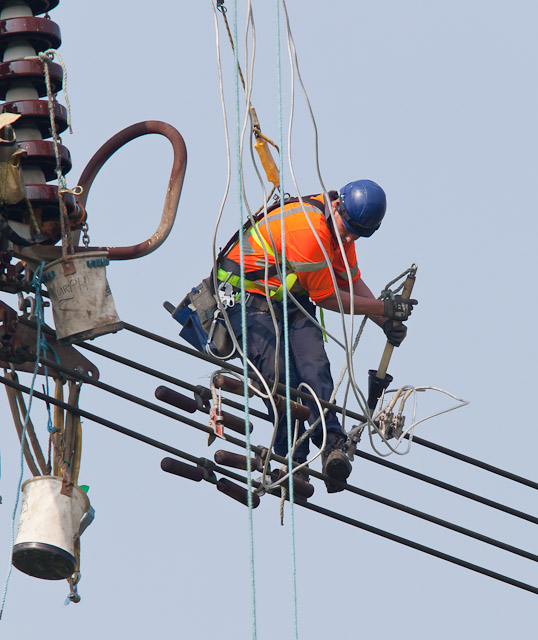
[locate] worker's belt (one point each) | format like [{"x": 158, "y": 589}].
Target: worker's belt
[{"x": 259, "y": 302}]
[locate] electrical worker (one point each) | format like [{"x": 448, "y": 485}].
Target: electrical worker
[{"x": 310, "y": 245}]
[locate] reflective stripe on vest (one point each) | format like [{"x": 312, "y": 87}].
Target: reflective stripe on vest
[
  {"x": 276, "y": 293},
  {"x": 353, "y": 270},
  {"x": 294, "y": 267}
]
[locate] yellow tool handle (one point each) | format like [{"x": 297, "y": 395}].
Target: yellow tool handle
[
  {"x": 387, "y": 353},
  {"x": 271, "y": 170}
]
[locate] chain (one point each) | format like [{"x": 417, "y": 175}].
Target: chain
[{"x": 85, "y": 235}]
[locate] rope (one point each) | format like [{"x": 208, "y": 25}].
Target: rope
[
  {"x": 295, "y": 70},
  {"x": 303, "y": 503},
  {"x": 46, "y": 57},
  {"x": 223, "y": 10},
  {"x": 290, "y": 487},
  {"x": 39, "y": 313},
  {"x": 387, "y": 292},
  {"x": 315, "y": 424},
  {"x": 244, "y": 329}
]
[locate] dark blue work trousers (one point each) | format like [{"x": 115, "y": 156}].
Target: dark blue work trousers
[{"x": 308, "y": 363}]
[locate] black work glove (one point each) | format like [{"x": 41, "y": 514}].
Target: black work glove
[
  {"x": 395, "y": 334},
  {"x": 399, "y": 308}
]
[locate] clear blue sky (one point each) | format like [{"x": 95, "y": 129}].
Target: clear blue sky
[{"x": 435, "y": 101}]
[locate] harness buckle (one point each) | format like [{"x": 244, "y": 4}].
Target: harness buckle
[{"x": 226, "y": 294}]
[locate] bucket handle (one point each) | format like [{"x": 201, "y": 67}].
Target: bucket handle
[{"x": 86, "y": 520}]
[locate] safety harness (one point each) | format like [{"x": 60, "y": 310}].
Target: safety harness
[
  {"x": 199, "y": 311},
  {"x": 230, "y": 271}
]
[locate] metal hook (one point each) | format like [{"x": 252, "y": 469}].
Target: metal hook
[{"x": 73, "y": 593}]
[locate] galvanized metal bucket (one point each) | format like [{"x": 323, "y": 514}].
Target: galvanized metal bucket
[
  {"x": 82, "y": 303},
  {"x": 48, "y": 527}
]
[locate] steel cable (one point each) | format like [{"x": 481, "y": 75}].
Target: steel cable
[
  {"x": 356, "y": 490},
  {"x": 203, "y": 462},
  {"x": 299, "y": 394},
  {"x": 351, "y": 414}
]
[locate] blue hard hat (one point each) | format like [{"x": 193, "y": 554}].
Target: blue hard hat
[{"x": 362, "y": 206}]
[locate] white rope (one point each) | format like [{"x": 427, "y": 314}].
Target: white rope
[{"x": 348, "y": 344}]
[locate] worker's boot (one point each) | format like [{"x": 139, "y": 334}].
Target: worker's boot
[{"x": 336, "y": 465}]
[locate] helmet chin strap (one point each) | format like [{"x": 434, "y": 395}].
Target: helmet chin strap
[
  {"x": 355, "y": 228},
  {"x": 341, "y": 208}
]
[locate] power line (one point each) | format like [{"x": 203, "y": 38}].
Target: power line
[
  {"x": 203, "y": 461},
  {"x": 417, "y": 546},
  {"x": 447, "y": 486},
  {"x": 367, "y": 456},
  {"x": 477, "y": 463},
  {"x": 305, "y": 396},
  {"x": 196, "y": 389},
  {"x": 351, "y": 414}
]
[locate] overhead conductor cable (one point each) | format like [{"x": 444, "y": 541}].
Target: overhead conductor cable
[{"x": 174, "y": 451}]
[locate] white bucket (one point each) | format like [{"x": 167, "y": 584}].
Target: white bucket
[
  {"x": 48, "y": 527},
  {"x": 82, "y": 303}
]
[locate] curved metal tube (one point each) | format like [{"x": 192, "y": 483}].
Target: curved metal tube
[
  {"x": 42, "y": 252},
  {"x": 172, "y": 195}
]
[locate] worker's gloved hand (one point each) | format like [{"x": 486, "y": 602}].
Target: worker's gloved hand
[
  {"x": 399, "y": 308},
  {"x": 395, "y": 334}
]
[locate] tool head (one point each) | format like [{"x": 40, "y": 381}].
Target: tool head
[{"x": 376, "y": 386}]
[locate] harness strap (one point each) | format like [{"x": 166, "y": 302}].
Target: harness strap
[
  {"x": 316, "y": 204},
  {"x": 232, "y": 267},
  {"x": 230, "y": 271},
  {"x": 235, "y": 281}
]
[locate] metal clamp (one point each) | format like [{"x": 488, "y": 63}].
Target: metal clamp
[
  {"x": 216, "y": 422},
  {"x": 353, "y": 440},
  {"x": 398, "y": 425},
  {"x": 226, "y": 295},
  {"x": 384, "y": 424}
]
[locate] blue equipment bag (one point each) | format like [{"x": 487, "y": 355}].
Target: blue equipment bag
[
  {"x": 192, "y": 331},
  {"x": 198, "y": 313}
]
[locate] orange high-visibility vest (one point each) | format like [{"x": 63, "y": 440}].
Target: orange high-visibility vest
[{"x": 304, "y": 256}]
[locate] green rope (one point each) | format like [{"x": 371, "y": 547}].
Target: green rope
[
  {"x": 286, "y": 324},
  {"x": 244, "y": 344}
]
